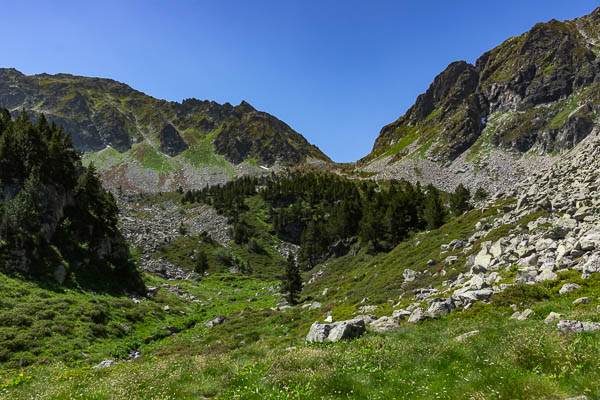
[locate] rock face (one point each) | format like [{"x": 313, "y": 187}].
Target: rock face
[
  {"x": 171, "y": 142},
  {"x": 320, "y": 332},
  {"x": 537, "y": 92}
]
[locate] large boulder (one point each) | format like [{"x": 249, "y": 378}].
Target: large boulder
[
  {"x": 418, "y": 315},
  {"x": 320, "y": 332},
  {"x": 567, "y": 326}
]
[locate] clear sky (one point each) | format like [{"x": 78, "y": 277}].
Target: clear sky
[{"x": 335, "y": 71}]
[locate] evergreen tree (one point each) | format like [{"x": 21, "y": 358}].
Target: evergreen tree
[
  {"x": 459, "y": 200},
  {"x": 201, "y": 264},
  {"x": 292, "y": 282},
  {"x": 434, "y": 211}
]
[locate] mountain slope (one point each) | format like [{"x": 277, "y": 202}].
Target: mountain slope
[
  {"x": 536, "y": 93},
  {"x": 102, "y": 114}
]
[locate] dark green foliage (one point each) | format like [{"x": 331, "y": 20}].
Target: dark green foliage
[
  {"x": 318, "y": 210},
  {"x": 480, "y": 194},
  {"x": 434, "y": 211},
  {"x": 201, "y": 264},
  {"x": 240, "y": 233},
  {"x": 53, "y": 208},
  {"x": 459, "y": 200},
  {"x": 292, "y": 281}
]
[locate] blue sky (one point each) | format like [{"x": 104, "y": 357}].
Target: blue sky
[{"x": 335, "y": 71}]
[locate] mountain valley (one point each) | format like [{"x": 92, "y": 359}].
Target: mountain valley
[{"x": 162, "y": 250}]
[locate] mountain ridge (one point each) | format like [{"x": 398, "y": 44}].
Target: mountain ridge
[
  {"x": 536, "y": 93},
  {"x": 101, "y": 113}
]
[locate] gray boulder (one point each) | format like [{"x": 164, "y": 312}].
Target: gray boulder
[
  {"x": 568, "y": 288},
  {"x": 464, "y": 336},
  {"x": 215, "y": 321},
  {"x": 553, "y": 317},
  {"x": 320, "y": 332},
  {"x": 567, "y": 326},
  {"x": 400, "y": 314},
  {"x": 105, "y": 364},
  {"x": 522, "y": 316},
  {"x": 418, "y": 315}
]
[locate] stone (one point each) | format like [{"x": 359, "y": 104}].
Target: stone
[
  {"x": 166, "y": 308},
  {"x": 367, "y": 309},
  {"x": 440, "y": 306},
  {"x": 582, "y": 300},
  {"x": 552, "y": 317},
  {"x": 567, "y": 326},
  {"x": 329, "y": 319},
  {"x": 315, "y": 305},
  {"x": 400, "y": 314},
  {"x": 464, "y": 336},
  {"x": 105, "y": 364},
  {"x": 590, "y": 242},
  {"x": 431, "y": 263},
  {"x": 568, "y": 288},
  {"x": 409, "y": 275},
  {"x": 526, "y": 275},
  {"x": 483, "y": 259},
  {"x": 522, "y": 316},
  {"x": 318, "y": 332},
  {"x": 522, "y": 202},
  {"x": 546, "y": 275},
  {"x": 497, "y": 249},
  {"x": 476, "y": 282},
  {"x": 215, "y": 321},
  {"x": 418, "y": 315},
  {"x": 384, "y": 324},
  {"x": 582, "y": 212}
]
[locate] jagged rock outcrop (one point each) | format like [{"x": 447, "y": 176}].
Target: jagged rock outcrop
[
  {"x": 171, "y": 142},
  {"x": 538, "y": 92}
]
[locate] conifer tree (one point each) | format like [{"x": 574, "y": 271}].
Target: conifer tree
[
  {"x": 459, "y": 201},
  {"x": 201, "y": 264},
  {"x": 292, "y": 283},
  {"x": 434, "y": 211}
]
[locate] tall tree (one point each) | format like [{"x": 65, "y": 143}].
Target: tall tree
[
  {"x": 434, "y": 211},
  {"x": 292, "y": 283},
  {"x": 459, "y": 201}
]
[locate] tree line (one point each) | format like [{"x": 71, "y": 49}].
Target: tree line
[{"x": 318, "y": 209}]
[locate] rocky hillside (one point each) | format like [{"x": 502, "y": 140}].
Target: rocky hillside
[
  {"x": 145, "y": 143},
  {"x": 536, "y": 94}
]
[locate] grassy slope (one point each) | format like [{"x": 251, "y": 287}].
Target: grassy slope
[{"x": 260, "y": 353}]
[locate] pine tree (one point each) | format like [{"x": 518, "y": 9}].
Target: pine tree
[
  {"x": 201, "y": 264},
  {"x": 434, "y": 211},
  {"x": 292, "y": 283},
  {"x": 459, "y": 201}
]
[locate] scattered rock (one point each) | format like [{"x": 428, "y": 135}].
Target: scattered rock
[
  {"x": 105, "y": 364},
  {"x": 552, "y": 317},
  {"x": 568, "y": 288},
  {"x": 320, "y": 332},
  {"x": 566, "y": 326},
  {"x": 419, "y": 315},
  {"x": 464, "y": 336},
  {"x": 522, "y": 316},
  {"x": 582, "y": 300},
  {"x": 215, "y": 321}
]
